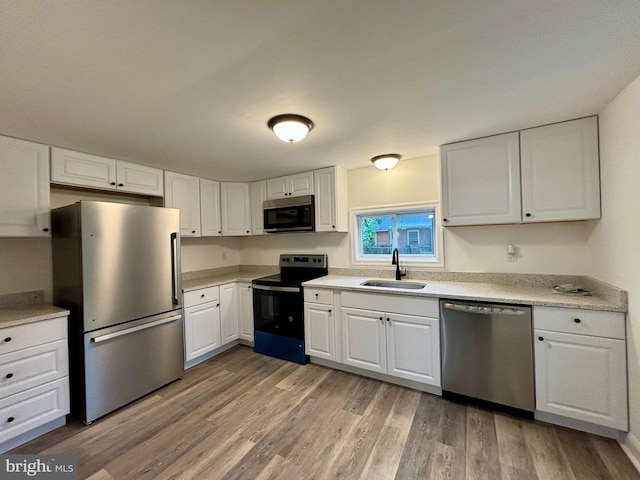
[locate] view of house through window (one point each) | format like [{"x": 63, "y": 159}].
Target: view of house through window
[{"x": 411, "y": 231}]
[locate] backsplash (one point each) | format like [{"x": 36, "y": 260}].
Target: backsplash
[{"x": 21, "y": 298}]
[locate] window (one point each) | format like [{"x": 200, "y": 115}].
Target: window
[{"x": 412, "y": 230}]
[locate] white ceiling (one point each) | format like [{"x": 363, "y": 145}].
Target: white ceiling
[{"x": 189, "y": 85}]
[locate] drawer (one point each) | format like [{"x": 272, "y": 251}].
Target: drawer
[
  {"x": 581, "y": 322},
  {"x": 32, "y": 334},
  {"x": 405, "y": 304},
  {"x": 30, "y": 367},
  {"x": 27, "y": 410},
  {"x": 203, "y": 295},
  {"x": 318, "y": 295}
]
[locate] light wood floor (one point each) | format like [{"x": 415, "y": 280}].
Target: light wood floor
[{"x": 249, "y": 416}]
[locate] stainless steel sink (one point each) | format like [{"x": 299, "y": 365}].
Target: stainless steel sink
[{"x": 393, "y": 284}]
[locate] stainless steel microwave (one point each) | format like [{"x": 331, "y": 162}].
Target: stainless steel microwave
[{"x": 293, "y": 214}]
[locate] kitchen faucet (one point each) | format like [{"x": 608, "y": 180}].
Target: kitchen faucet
[{"x": 395, "y": 260}]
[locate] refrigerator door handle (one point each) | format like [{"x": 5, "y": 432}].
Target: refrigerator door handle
[
  {"x": 175, "y": 268},
  {"x": 109, "y": 336}
]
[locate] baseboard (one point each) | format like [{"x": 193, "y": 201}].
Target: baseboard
[
  {"x": 31, "y": 434},
  {"x": 211, "y": 354},
  {"x": 579, "y": 425},
  {"x": 631, "y": 446}
]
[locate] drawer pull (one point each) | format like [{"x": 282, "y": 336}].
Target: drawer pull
[
  {"x": 329, "y": 310},
  {"x": 8, "y": 339},
  {"x": 577, "y": 320},
  {"x": 10, "y": 419},
  {"x": 202, "y": 296},
  {"x": 541, "y": 338},
  {"x": 8, "y": 375},
  {"x": 317, "y": 295}
]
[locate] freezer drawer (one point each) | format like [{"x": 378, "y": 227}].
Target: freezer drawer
[{"x": 124, "y": 363}]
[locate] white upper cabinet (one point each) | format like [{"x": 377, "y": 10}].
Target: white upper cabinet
[
  {"x": 481, "y": 181},
  {"x": 560, "y": 171},
  {"x": 236, "y": 210},
  {"x": 258, "y": 195},
  {"x": 542, "y": 174},
  {"x": 290, "y": 186},
  {"x": 211, "y": 225},
  {"x": 183, "y": 192},
  {"x": 86, "y": 170},
  {"x": 24, "y": 189},
  {"x": 331, "y": 202}
]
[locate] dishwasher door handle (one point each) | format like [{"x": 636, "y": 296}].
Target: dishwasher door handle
[{"x": 482, "y": 310}]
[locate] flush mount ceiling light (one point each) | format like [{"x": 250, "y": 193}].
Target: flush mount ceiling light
[
  {"x": 289, "y": 127},
  {"x": 387, "y": 161}
]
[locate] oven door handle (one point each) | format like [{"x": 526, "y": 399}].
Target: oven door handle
[{"x": 277, "y": 289}]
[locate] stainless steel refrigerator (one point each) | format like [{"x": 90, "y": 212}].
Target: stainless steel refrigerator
[{"x": 116, "y": 268}]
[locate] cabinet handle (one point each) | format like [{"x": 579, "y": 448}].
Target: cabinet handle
[
  {"x": 121, "y": 184},
  {"x": 317, "y": 295},
  {"x": 45, "y": 229},
  {"x": 445, "y": 220},
  {"x": 249, "y": 286},
  {"x": 577, "y": 320},
  {"x": 333, "y": 226},
  {"x": 217, "y": 304},
  {"x": 381, "y": 319},
  {"x": 247, "y": 231},
  {"x": 220, "y": 231},
  {"x": 193, "y": 231},
  {"x": 541, "y": 338},
  {"x": 10, "y": 419},
  {"x": 527, "y": 214},
  {"x": 202, "y": 296},
  {"x": 8, "y": 375},
  {"x": 329, "y": 310},
  {"x": 387, "y": 319},
  {"x": 113, "y": 183},
  {"x": 8, "y": 339}
]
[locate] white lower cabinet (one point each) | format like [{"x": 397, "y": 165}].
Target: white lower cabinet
[
  {"x": 580, "y": 364},
  {"x": 319, "y": 328},
  {"x": 229, "y": 312},
  {"x": 245, "y": 303},
  {"x": 364, "y": 339},
  {"x": 201, "y": 322},
  {"x": 34, "y": 379}
]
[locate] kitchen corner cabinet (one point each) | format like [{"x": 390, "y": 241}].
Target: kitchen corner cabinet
[
  {"x": 580, "y": 365},
  {"x": 236, "y": 208},
  {"x": 542, "y": 174},
  {"x": 290, "y": 186},
  {"x": 210, "y": 221},
  {"x": 319, "y": 323},
  {"x": 229, "y": 312},
  {"x": 24, "y": 189},
  {"x": 84, "y": 170},
  {"x": 34, "y": 392},
  {"x": 331, "y": 202},
  {"x": 201, "y": 322},
  {"x": 258, "y": 195},
  {"x": 245, "y": 303},
  {"x": 404, "y": 342},
  {"x": 183, "y": 192}
]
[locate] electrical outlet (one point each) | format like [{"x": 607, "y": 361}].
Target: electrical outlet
[{"x": 512, "y": 254}]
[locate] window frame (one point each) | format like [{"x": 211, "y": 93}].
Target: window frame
[{"x": 423, "y": 261}]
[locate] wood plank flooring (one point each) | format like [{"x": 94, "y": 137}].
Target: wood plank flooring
[{"x": 247, "y": 416}]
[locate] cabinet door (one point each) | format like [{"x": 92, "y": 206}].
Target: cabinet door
[
  {"x": 413, "y": 348},
  {"x": 183, "y": 192},
  {"x": 364, "y": 343},
  {"x": 24, "y": 189},
  {"x": 229, "y": 312},
  {"x": 236, "y": 211},
  {"x": 201, "y": 329},
  {"x": 82, "y": 169},
  {"x": 245, "y": 299},
  {"x": 331, "y": 201},
  {"x": 210, "y": 208},
  {"x": 258, "y": 195},
  {"x": 560, "y": 171},
  {"x": 135, "y": 178},
  {"x": 319, "y": 331},
  {"x": 301, "y": 184},
  {"x": 277, "y": 187},
  {"x": 582, "y": 377},
  {"x": 481, "y": 181}
]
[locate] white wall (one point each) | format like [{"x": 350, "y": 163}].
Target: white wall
[
  {"x": 551, "y": 248},
  {"x": 614, "y": 246}
]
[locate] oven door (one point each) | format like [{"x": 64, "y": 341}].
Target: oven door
[{"x": 278, "y": 310}]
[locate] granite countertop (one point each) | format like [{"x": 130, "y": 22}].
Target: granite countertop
[
  {"x": 215, "y": 280},
  {"x": 485, "y": 292},
  {"x": 20, "y": 315}
]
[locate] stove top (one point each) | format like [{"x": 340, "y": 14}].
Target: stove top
[{"x": 295, "y": 269}]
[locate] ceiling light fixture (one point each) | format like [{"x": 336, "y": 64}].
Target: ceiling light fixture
[
  {"x": 289, "y": 127},
  {"x": 387, "y": 161}
]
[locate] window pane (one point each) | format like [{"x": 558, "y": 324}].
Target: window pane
[
  {"x": 376, "y": 233},
  {"x": 415, "y": 233}
]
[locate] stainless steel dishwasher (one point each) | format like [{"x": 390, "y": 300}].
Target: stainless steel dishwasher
[{"x": 487, "y": 354}]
